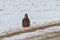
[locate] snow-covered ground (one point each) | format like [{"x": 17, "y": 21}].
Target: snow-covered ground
[
  {"x": 39, "y": 11},
  {"x": 37, "y": 34}
]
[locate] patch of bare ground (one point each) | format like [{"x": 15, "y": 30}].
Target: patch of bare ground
[{"x": 26, "y": 30}]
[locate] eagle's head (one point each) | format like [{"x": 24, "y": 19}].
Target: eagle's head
[{"x": 26, "y": 15}]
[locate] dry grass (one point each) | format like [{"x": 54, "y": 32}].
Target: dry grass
[
  {"x": 45, "y": 36},
  {"x": 25, "y": 30}
]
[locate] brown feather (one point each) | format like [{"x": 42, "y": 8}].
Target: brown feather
[{"x": 26, "y": 22}]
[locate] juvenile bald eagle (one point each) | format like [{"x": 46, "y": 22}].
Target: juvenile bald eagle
[{"x": 26, "y": 21}]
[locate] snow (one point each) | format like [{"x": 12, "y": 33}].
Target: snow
[
  {"x": 40, "y": 12},
  {"x": 30, "y": 34},
  {"x": 14, "y": 11}
]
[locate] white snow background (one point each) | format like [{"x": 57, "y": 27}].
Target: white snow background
[{"x": 39, "y": 11}]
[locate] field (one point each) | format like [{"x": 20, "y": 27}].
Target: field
[{"x": 44, "y": 17}]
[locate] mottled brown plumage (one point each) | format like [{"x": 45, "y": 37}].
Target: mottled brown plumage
[{"x": 26, "y": 21}]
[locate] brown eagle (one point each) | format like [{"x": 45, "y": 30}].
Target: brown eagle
[{"x": 26, "y": 21}]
